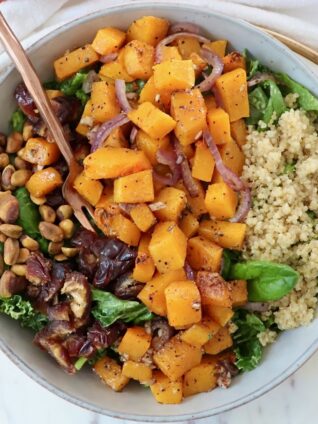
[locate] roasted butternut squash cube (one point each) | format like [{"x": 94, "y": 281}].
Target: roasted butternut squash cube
[
  {"x": 137, "y": 371},
  {"x": 203, "y": 163},
  {"x": 204, "y": 254},
  {"x": 150, "y": 145},
  {"x": 233, "y": 61},
  {"x": 74, "y": 61},
  {"x": 176, "y": 358},
  {"x": 40, "y": 151},
  {"x": 170, "y": 53},
  {"x": 152, "y": 120},
  {"x": 115, "y": 70},
  {"x": 103, "y": 101},
  {"x": 135, "y": 343},
  {"x": 125, "y": 230},
  {"x": 143, "y": 217},
  {"x": 168, "y": 247},
  {"x": 214, "y": 289},
  {"x": 183, "y": 304},
  {"x": 164, "y": 390},
  {"x": 173, "y": 75},
  {"x": 153, "y": 293},
  {"x": 226, "y": 234},
  {"x": 52, "y": 94},
  {"x": 134, "y": 188},
  {"x": 188, "y": 45},
  {"x": 90, "y": 190},
  {"x": 239, "y": 131},
  {"x": 87, "y": 121},
  {"x": 221, "y": 341},
  {"x": 210, "y": 102},
  {"x": 199, "y": 379},
  {"x": 232, "y": 157},
  {"x": 218, "y": 47},
  {"x": 43, "y": 182},
  {"x": 108, "y": 40},
  {"x": 239, "y": 292},
  {"x": 232, "y": 89},
  {"x": 151, "y": 94},
  {"x": 149, "y": 29},
  {"x": 189, "y": 111},
  {"x": 174, "y": 200},
  {"x": 195, "y": 204},
  {"x": 219, "y": 314},
  {"x": 221, "y": 201},
  {"x": 139, "y": 59},
  {"x": 116, "y": 139},
  {"x": 198, "y": 62},
  {"x": 219, "y": 125},
  {"x": 199, "y": 334},
  {"x": 110, "y": 372},
  {"x": 189, "y": 224},
  {"x": 144, "y": 265},
  {"x": 114, "y": 162}
]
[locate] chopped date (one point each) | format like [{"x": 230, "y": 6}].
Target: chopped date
[{"x": 38, "y": 269}]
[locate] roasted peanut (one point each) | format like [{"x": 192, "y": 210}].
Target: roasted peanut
[
  {"x": 11, "y": 230},
  {"x": 23, "y": 255},
  {"x": 38, "y": 200},
  {"x": 55, "y": 248},
  {"x": 6, "y": 177},
  {"x": 64, "y": 212},
  {"x": 19, "y": 270},
  {"x": 9, "y": 207},
  {"x": 3, "y": 238},
  {"x": 68, "y": 227},
  {"x": 70, "y": 252},
  {"x": 10, "y": 284},
  {"x": 14, "y": 142},
  {"x": 1, "y": 264},
  {"x": 20, "y": 163},
  {"x": 11, "y": 251},
  {"x": 27, "y": 131},
  {"x": 51, "y": 232},
  {"x": 47, "y": 213},
  {"x": 21, "y": 177},
  {"x": 29, "y": 243},
  {"x": 4, "y": 160},
  {"x": 60, "y": 257}
]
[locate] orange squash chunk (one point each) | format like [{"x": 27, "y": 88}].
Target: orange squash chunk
[
  {"x": 135, "y": 343},
  {"x": 203, "y": 163},
  {"x": 226, "y": 234},
  {"x": 108, "y": 40},
  {"x": 110, "y": 372},
  {"x": 221, "y": 201},
  {"x": 221, "y": 341},
  {"x": 233, "y": 61},
  {"x": 214, "y": 289},
  {"x": 174, "y": 75},
  {"x": 43, "y": 182},
  {"x": 41, "y": 152},
  {"x": 149, "y": 29},
  {"x": 164, "y": 390},
  {"x": 72, "y": 62},
  {"x": 219, "y": 126},
  {"x": 144, "y": 266},
  {"x": 204, "y": 254}
]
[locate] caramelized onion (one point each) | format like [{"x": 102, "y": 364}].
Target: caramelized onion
[
  {"x": 98, "y": 136},
  {"x": 108, "y": 57},
  {"x": 168, "y": 158},
  {"x": 244, "y": 206},
  {"x": 185, "y": 27},
  {"x": 260, "y": 77},
  {"x": 216, "y": 62},
  {"x": 120, "y": 88},
  {"x": 188, "y": 180}
]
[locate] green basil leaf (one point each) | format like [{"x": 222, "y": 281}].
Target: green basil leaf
[
  {"x": 230, "y": 257},
  {"x": 258, "y": 101},
  {"x": 17, "y": 121},
  {"x": 70, "y": 86}
]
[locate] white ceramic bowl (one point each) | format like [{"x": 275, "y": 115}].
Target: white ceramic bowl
[{"x": 291, "y": 350}]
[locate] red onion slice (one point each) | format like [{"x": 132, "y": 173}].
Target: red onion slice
[
  {"x": 133, "y": 135},
  {"x": 190, "y": 273},
  {"x": 188, "y": 180},
  {"x": 168, "y": 158},
  {"x": 244, "y": 206},
  {"x": 260, "y": 77},
  {"x": 120, "y": 88},
  {"x": 90, "y": 78},
  {"x": 126, "y": 208},
  {"x": 216, "y": 62},
  {"x": 108, "y": 57},
  {"x": 185, "y": 27},
  {"x": 171, "y": 38},
  {"x": 98, "y": 136}
]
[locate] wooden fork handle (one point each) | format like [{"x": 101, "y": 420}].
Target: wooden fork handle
[{"x": 34, "y": 87}]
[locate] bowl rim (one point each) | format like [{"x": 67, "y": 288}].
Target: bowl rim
[{"x": 132, "y": 5}]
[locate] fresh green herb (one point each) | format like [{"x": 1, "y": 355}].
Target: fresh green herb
[
  {"x": 258, "y": 102},
  {"x": 140, "y": 84},
  {"x": 22, "y": 310},
  {"x": 81, "y": 361},
  {"x": 230, "y": 257},
  {"x": 247, "y": 347},
  {"x": 253, "y": 65},
  {"x": 290, "y": 168},
  {"x": 1, "y": 247},
  {"x": 135, "y": 86},
  {"x": 17, "y": 120},
  {"x": 107, "y": 309},
  {"x": 267, "y": 281},
  {"x": 312, "y": 215},
  {"x": 83, "y": 97},
  {"x": 70, "y": 86},
  {"x": 130, "y": 87},
  {"x": 29, "y": 217},
  {"x": 52, "y": 85}
]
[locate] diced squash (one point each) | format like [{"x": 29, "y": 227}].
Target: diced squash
[
  {"x": 150, "y": 145},
  {"x": 218, "y": 47},
  {"x": 204, "y": 254},
  {"x": 106, "y": 199},
  {"x": 232, "y": 89},
  {"x": 232, "y": 157},
  {"x": 90, "y": 190},
  {"x": 108, "y": 40},
  {"x": 87, "y": 121},
  {"x": 176, "y": 358},
  {"x": 74, "y": 61},
  {"x": 174, "y": 75},
  {"x": 221, "y": 341},
  {"x": 233, "y": 61},
  {"x": 168, "y": 246},
  {"x": 43, "y": 182},
  {"x": 189, "y": 224},
  {"x": 195, "y": 204},
  {"x": 219, "y": 125},
  {"x": 203, "y": 163},
  {"x": 199, "y": 379},
  {"x": 116, "y": 139},
  {"x": 221, "y": 201},
  {"x": 153, "y": 293},
  {"x": 174, "y": 200},
  {"x": 139, "y": 59},
  {"x": 170, "y": 53},
  {"x": 189, "y": 111},
  {"x": 152, "y": 120},
  {"x": 143, "y": 217},
  {"x": 41, "y": 152},
  {"x": 150, "y": 93},
  {"x": 149, "y": 29},
  {"x": 52, "y": 94},
  {"x": 137, "y": 371},
  {"x": 116, "y": 69},
  {"x": 226, "y": 234},
  {"x": 104, "y": 101},
  {"x": 164, "y": 390},
  {"x": 239, "y": 131},
  {"x": 199, "y": 334},
  {"x": 125, "y": 230},
  {"x": 188, "y": 45},
  {"x": 219, "y": 314},
  {"x": 135, "y": 343},
  {"x": 113, "y": 162},
  {"x": 198, "y": 62},
  {"x": 134, "y": 188},
  {"x": 183, "y": 304},
  {"x": 214, "y": 289},
  {"x": 239, "y": 292},
  {"x": 144, "y": 266},
  {"x": 110, "y": 372},
  {"x": 210, "y": 102}
]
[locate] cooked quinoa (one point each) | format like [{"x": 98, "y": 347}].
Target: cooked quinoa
[{"x": 282, "y": 169}]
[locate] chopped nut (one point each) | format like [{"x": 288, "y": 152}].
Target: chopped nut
[
  {"x": 38, "y": 200},
  {"x": 64, "y": 212},
  {"x": 23, "y": 255},
  {"x": 20, "y": 177},
  {"x": 68, "y": 227},
  {"x": 70, "y": 252},
  {"x": 60, "y": 257},
  {"x": 9, "y": 207},
  {"x": 3, "y": 238},
  {"x": 20, "y": 163},
  {"x": 10, "y": 284},
  {"x": 14, "y": 142},
  {"x": 11, "y": 230},
  {"x": 29, "y": 243},
  {"x": 4, "y": 160},
  {"x": 19, "y": 270},
  {"x": 55, "y": 248},
  {"x": 27, "y": 131},
  {"x": 11, "y": 251},
  {"x": 51, "y": 231},
  {"x": 47, "y": 213},
  {"x": 6, "y": 177}
]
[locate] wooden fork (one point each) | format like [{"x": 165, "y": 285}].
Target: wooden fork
[{"x": 33, "y": 84}]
